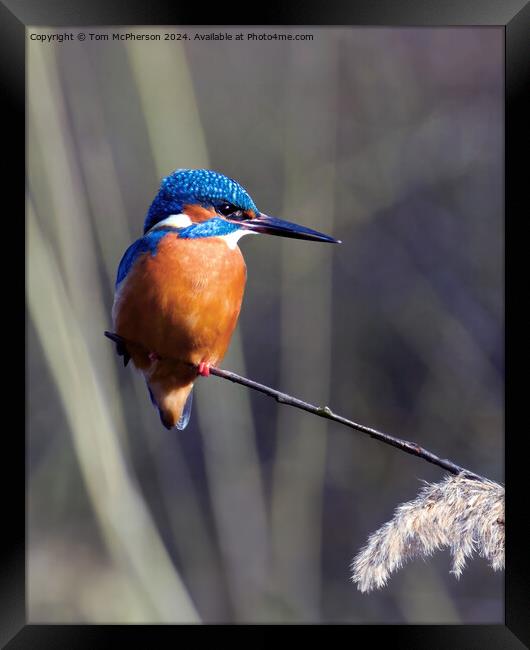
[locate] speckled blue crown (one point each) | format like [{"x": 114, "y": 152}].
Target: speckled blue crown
[{"x": 195, "y": 186}]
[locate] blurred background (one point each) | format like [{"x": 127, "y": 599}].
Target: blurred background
[{"x": 389, "y": 139}]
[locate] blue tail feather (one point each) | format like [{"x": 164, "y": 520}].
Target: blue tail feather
[{"x": 186, "y": 413}]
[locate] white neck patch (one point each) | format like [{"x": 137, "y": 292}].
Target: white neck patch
[
  {"x": 174, "y": 220},
  {"x": 232, "y": 238}
]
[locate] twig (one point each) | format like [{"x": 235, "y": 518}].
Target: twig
[{"x": 325, "y": 412}]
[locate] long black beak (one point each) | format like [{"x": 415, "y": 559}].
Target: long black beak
[{"x": 271, "y": 226}]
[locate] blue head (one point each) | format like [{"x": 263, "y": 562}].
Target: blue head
[
  {"x": 204, "y": 203},
  {"x": 199, "y": 193}
]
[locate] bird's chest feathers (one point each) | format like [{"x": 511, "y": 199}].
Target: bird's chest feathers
[
  {"x": 190, "y": 278},
  {"x": 186, "y": 295},
  {"x": 207, "y": 264}
]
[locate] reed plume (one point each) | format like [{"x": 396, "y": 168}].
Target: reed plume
[{"x": 465, "y": 515}]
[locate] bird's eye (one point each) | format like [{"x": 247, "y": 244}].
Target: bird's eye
[{"x": 230, "y": 210}]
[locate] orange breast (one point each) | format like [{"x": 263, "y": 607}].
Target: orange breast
[{"x": 184, "y": 301}]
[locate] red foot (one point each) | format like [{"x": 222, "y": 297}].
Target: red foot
[
  {"x": 153, "y": 356},
  {"x": 204, "y": 369}
]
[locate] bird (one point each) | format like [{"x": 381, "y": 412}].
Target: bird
[{"x": 179, "y": 287}]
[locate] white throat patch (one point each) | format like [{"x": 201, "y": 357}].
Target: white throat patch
[{"x": 232, "y": 238}]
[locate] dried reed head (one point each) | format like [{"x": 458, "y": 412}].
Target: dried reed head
[{"x": 460, "y": 513}]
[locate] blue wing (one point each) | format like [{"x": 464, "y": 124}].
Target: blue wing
[
  {"x": 129, "y": 258},
  {"x": 148, "y": 243}
]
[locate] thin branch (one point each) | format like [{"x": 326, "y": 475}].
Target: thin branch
[{"x": 325, "y": 412}]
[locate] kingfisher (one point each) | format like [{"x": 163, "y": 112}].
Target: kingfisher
[{"x": 179, "y": 288}]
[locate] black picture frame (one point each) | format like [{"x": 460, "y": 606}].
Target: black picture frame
[{"x": 15, "y": 15}]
